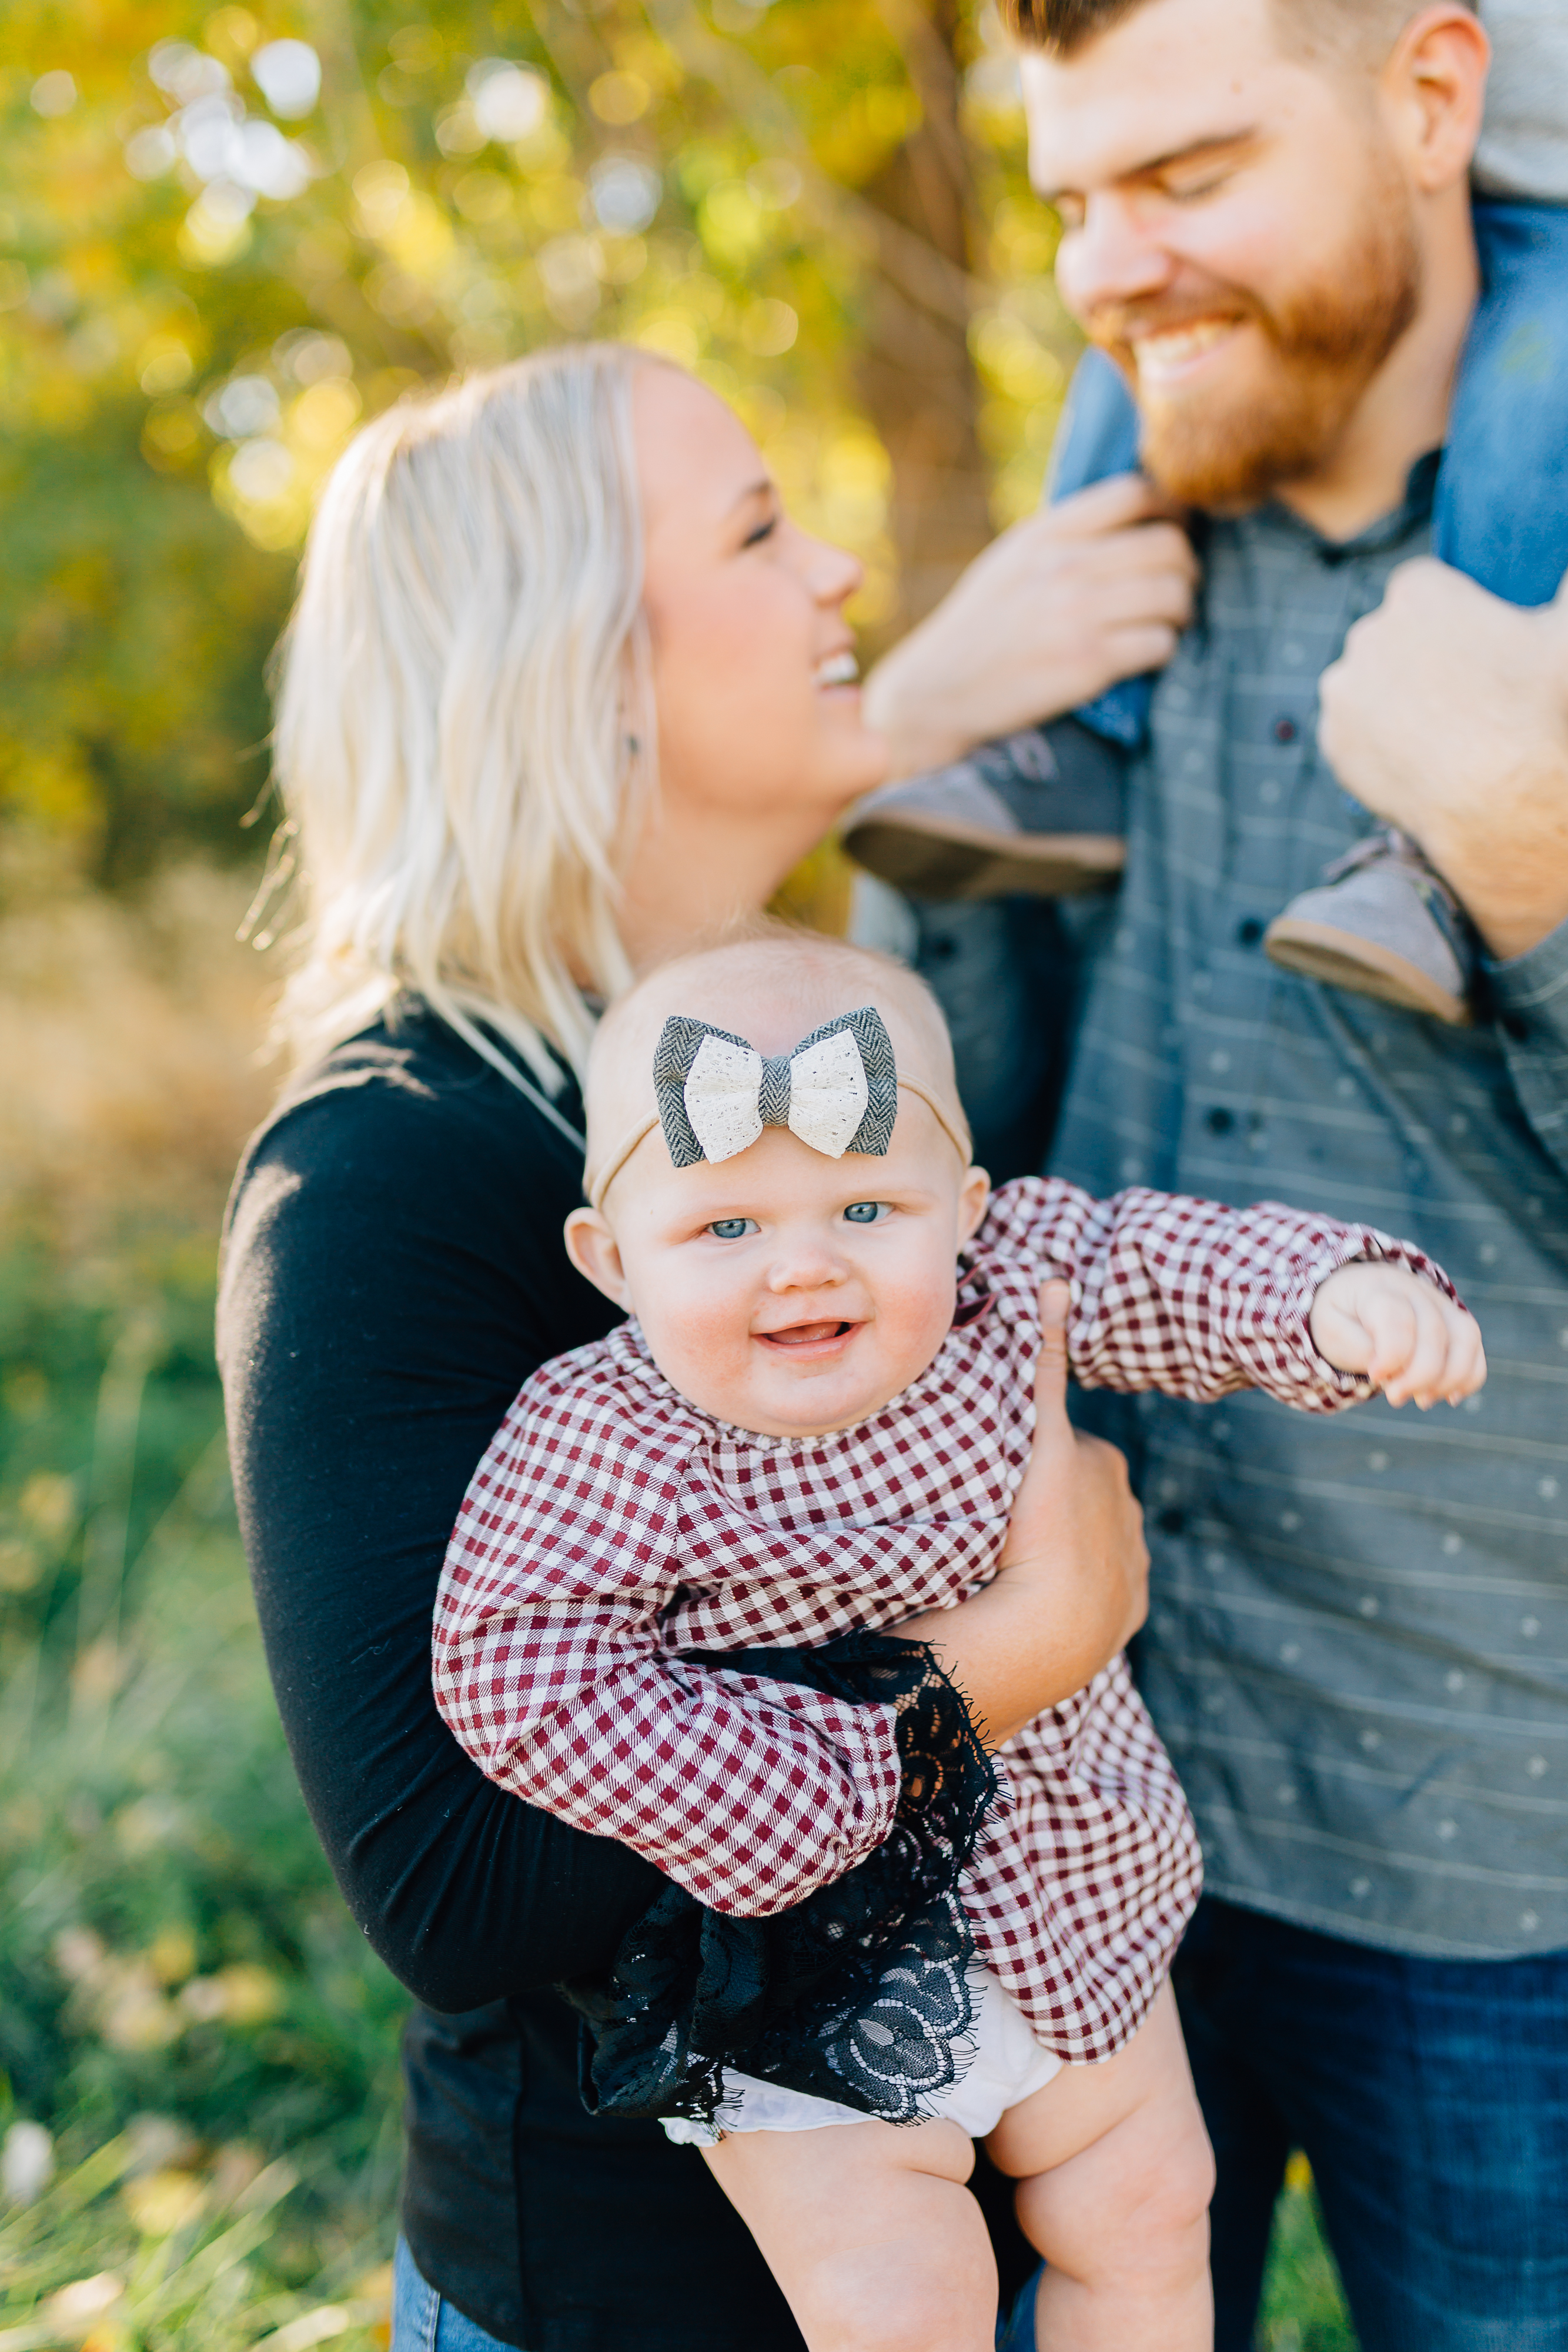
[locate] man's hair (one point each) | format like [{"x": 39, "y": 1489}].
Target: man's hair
[{"x": 1367, "y": 28}]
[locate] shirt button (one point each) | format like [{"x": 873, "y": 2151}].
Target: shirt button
[
  {"x": 1514, "y": 1026},
  {"x": 1220, "y": 1121},
  {"x": 1172, "y": 1522},
  {"x": 1285, "y": 729},
  {"x": 1250, "y": 931}
]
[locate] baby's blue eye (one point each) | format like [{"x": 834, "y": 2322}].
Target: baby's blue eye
[
  {"x": 732, "y": 1229},
  {"x": 866, "y": 1213}
]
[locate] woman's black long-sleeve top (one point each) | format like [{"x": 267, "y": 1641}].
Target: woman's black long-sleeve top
[{"x": 393, "y": 1272}]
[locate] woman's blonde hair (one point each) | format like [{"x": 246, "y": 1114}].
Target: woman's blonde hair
[{"x": 464, "y": 712}]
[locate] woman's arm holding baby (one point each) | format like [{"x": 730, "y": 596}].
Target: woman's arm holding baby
[
  {"x": 1074, "y": 1584},
  {"x": 550, "y": 1668}
]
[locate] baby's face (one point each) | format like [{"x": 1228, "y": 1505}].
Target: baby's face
[{"x": 781, "y": 1290}]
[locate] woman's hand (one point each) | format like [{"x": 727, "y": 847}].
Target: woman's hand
[
  {"x": 1073, "y": 1582},
  {"x": 1402, "y": 1332},
  {"x": 1057, "y": 609}
]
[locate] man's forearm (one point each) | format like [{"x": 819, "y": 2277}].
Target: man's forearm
[{"x": 1512, "y": 874}]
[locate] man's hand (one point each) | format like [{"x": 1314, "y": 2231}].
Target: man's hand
[
  {"x": 1057, "y": 609},
  {"x": 1401, "y": 1332},
  {"x": 1448, "y": 715},
  {"x": 1074, "y": 1584}
]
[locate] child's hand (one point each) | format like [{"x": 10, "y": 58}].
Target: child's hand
[{"x": 1401, "y": 1332}]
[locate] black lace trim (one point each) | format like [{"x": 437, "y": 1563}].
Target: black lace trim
[{"x": 862, "y": 1992}]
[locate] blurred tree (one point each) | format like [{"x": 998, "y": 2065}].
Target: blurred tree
[
  {"x": 227, "y": 237},
  {"x": 916, "y": 368}
]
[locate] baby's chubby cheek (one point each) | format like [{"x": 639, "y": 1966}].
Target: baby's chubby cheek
[
  {"x": 911, "y": 1326},
  {"x": 701, "y": 1344}
]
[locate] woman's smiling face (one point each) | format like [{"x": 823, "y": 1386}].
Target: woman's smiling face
[{"x": 754, "y": 670}]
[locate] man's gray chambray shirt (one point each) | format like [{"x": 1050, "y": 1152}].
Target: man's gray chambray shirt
[{"x": 1357, "y": 1649}]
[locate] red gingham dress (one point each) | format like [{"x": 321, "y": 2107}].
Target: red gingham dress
[{"x": 611, "y": 1527}]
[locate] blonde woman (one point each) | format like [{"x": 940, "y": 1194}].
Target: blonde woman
[{"x": 564, "y": 690}]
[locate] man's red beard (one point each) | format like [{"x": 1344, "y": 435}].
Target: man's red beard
[{"x": 1326, "y": 341}]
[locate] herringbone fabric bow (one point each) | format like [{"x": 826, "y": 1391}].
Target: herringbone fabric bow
[{"x": 836, "y": 1092}]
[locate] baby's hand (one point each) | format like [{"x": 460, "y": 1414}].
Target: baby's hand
[{"x": 1401, "y": 1332}]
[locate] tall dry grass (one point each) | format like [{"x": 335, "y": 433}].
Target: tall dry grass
[{"x": 130, "y": 1068}]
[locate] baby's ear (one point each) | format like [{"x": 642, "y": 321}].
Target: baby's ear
[
  {"x": 594, "y": 1250},
  {"x": 973, "y": 1200}
]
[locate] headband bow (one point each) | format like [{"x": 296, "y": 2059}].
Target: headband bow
[{"x": 838, "y": 1091}]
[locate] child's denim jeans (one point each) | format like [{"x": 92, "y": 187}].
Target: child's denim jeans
[{"x": 1501, "y": 511}]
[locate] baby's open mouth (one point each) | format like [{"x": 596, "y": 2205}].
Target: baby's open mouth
[{"x": 807, "y": 1334}]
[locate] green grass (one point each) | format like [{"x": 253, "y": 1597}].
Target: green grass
[
  {"x": 188, "y": 2011},
  {"x": 1303, "y": 2307},
  {"x": 188, "y": 2007}
]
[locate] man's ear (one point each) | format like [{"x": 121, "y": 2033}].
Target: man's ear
[
  {"x": 1435, "y": 82},
  {"x": 973, "y": 1200},
  {"x": 594, "y": 1250}
]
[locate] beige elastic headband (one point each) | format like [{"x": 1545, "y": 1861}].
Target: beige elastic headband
[{"x": 715, "y": 1092}]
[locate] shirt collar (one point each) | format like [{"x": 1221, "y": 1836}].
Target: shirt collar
[{"x": 1412, "y": 514}]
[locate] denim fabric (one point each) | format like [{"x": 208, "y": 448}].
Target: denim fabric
[
  {"x": 1098, "y": 436},
  {"x": 1015, "y": 2328},
  {"x": 1431, "y": 2098},
  {"x": 1501, "y": 511},
  {"x": 424, "y": 2321},
  {"x": 1502, "y": 507}
]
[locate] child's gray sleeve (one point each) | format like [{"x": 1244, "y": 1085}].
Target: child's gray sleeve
[{"x": 971, "y": 785}]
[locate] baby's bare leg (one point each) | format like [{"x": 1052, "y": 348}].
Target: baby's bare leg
[
  {"x": 1114, "y": 2180},
  {"x": 870, "y": 2232}
]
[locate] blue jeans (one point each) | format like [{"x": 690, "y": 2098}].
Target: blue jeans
[
  {"x": 1431, "y": 2098},
  {"x": 1501, "y": 507},
  {"x": 424, "y": 2321}
]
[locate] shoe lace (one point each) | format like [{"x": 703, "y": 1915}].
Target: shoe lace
[{"x": 1384, "y": 846}]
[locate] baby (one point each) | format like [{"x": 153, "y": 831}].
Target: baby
[{"x": 655, "y": 1614}]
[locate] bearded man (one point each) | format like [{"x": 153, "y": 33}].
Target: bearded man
[{"x": 1358, "y": 1643}]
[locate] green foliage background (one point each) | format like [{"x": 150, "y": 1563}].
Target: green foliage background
[
  {"x": 822, "y": 207},
  {"x": 832, "y": 227}
]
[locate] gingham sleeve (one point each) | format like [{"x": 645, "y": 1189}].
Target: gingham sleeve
[
  {"x": 1191, "y": 1299},
  {"x": 548, "y": 1668}
]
